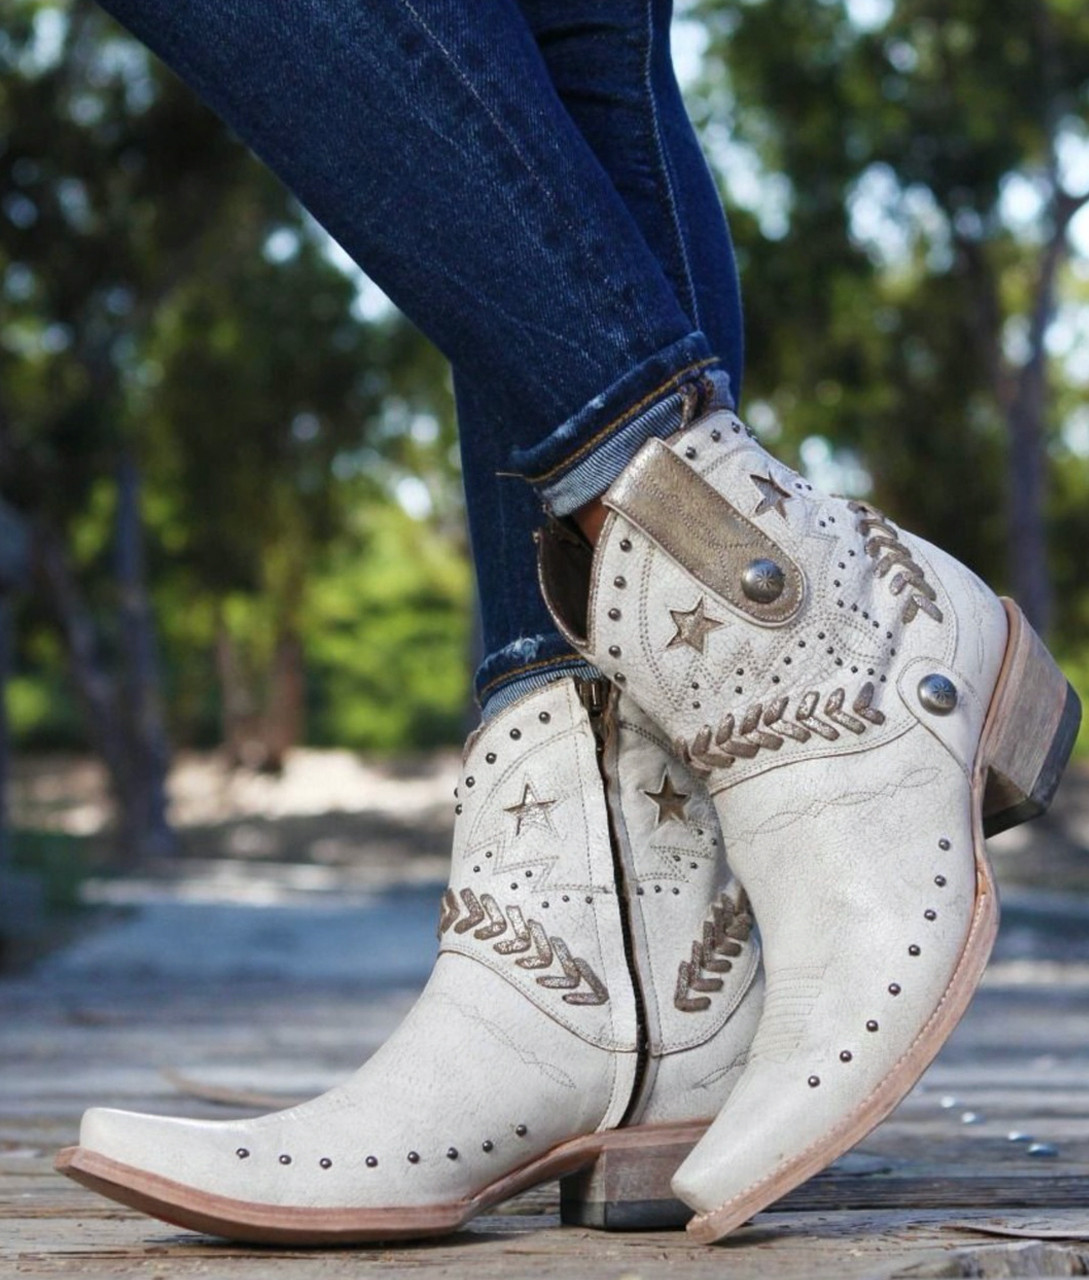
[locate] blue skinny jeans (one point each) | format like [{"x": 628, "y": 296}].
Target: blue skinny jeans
[{"x": 521, "y": 178}]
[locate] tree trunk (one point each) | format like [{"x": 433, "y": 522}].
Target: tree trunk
[
  {"x": 1029, "y": 571},
  {"x": 145, "y": 794},
  {"x": 241, "y": 728},
  {"x": 14, "y": 546},
  {"x": 98, "y": 694},
  {"x": 285, "y": 716}
]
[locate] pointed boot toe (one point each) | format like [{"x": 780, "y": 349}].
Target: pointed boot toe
[{"x": 859, "y": 706}]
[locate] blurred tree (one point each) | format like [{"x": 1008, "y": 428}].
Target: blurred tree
[
  {"x": 908, "y": 172},
  {"x": 182, "y": 361}
]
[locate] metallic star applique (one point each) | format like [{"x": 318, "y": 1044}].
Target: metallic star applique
[
  {"x": 671, "y": 802},
  {"x": 693, "y": 626},
  {"x": 531, "y": 811},
  {"x": 772, "y": 495}
]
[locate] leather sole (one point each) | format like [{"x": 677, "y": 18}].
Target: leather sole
[
  {"x": 1027, "y": 737},
  {"x": 186, "y": 1206}
]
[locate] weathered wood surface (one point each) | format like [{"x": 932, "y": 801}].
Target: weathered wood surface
[
  {"x": 1020, "y": 1062},
  {"x": 159, "y": 996}
]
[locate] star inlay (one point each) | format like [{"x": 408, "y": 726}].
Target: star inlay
[
  {"x": 531, "y": 811},
  {"x": 671, "y": 802},
  {"x": 693, "y": 626},
  {"x": 772, "y": 495}
]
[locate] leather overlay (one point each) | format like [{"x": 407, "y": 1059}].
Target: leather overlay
[
  {"x": 532, "y": 894},
  {"x": 696, "y": 525},
  {"x": 682, "y": 902}
]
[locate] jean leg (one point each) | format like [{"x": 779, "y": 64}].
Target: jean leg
[
  {"x": 611, "y": 64},
  {"x": 522, "y": 648},
  {"x": 427, "y": 137}
]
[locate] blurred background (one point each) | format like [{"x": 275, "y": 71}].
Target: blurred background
[{"x": 236, "y": 607}]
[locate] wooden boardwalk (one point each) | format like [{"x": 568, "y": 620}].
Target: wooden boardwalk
[
  {"x": 1019, "y": 1063},
  {"x": 940, "y": 1189}
]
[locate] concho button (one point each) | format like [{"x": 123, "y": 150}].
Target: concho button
[
  {"x": 763, "y": 581},
  {"x": 938, "y": 694}
]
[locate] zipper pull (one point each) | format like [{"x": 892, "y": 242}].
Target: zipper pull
[{"x": 594, "y": 695}]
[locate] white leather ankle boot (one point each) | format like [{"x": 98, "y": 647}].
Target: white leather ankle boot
[
  {"x": 863, "y": 709},
  {"x": 531, "y": 1044}
]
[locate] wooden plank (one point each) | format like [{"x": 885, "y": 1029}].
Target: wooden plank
[{"x": 1021, "y": 1060}]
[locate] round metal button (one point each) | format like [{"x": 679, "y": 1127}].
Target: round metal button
[
  {"x": 763, "y": 581},
  {"x": 938, "y": 694}
]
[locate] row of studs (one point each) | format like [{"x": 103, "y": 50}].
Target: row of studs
[
  {"x": 413, "y": 1157},
  {"x": 620, "y": 582},
  {"x": 604, "y": 889},
  {"x": 491, "y": 757},
  {"x": 894, "y": 988}
]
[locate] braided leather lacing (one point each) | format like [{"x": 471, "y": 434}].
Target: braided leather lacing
[
  {"x": 721, "y": 938},
  {"x": 890, "y": 553},
  {"x": 768, "y": 725}
]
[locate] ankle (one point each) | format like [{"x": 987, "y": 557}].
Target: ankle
[{"x": 590, "y": 519}]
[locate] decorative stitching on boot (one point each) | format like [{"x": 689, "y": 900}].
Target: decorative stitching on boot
[
  {"x": 719, "y": 748},
  {"x": 730, "y": 925},
  {"x": 529, "y": 936},
  {"x": 886, "y": 549}
]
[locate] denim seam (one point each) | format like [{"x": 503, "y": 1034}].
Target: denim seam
[
  {"x": 532, "y": 666},
  {"x": 665, "y": 173},
  {"x": 623, "y": 419},
  {"x": 467, "y": 85},
  {"x": 500, "y": 125}
]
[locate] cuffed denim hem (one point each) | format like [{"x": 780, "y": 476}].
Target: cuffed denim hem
[
  {"x": 579, "y": 460},
  {"x": 524, "y": 665}
]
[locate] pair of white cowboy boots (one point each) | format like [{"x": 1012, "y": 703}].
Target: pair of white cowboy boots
[{"x": 843, "y": 709}]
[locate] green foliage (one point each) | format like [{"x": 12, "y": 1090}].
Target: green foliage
[
  {"x": 60, "y": 862},
  {"x": 889, "y": 282},
  {"x": 387, "y": 635},
  {"x": 162, "y": 297},
  {"x": 165, "y": 298}
]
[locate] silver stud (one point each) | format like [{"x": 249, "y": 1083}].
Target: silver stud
[
  {"x": 544, "y": 717},
  {"x": 372, "y": 1162},
  {"x": 894, "y": 988},
  {"x": 414, "y": 1157},
  {"x": 871, "y": 1025},
  {"x": 814, "y": 1081},
  {"x": 451, "y": 1153},
  {"x": 521, "y": 1130},
  {"x": 285, "y": 1159},
  {"x": 620, "y": 582},
  {"x": 845, "y": 1055},
  {"x": 242, "y": 1153},
  {"x": 325, "y": 1162},
  {"x": 625, "y": 544},
  {"x": 690, "y": 453},
  {"x": 763, "y": 581},
  {"x": 614, "y": 614},
  {"x": 614, "y": 651},
  {"x": 490, "y": 757},
  {"x": 938, "y": 694},
  {"x": 487, "y": 1145},
  {"x": 914, "y": 949}
]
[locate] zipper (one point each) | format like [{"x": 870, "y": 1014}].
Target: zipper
[{"x": 598, "y": 699}]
